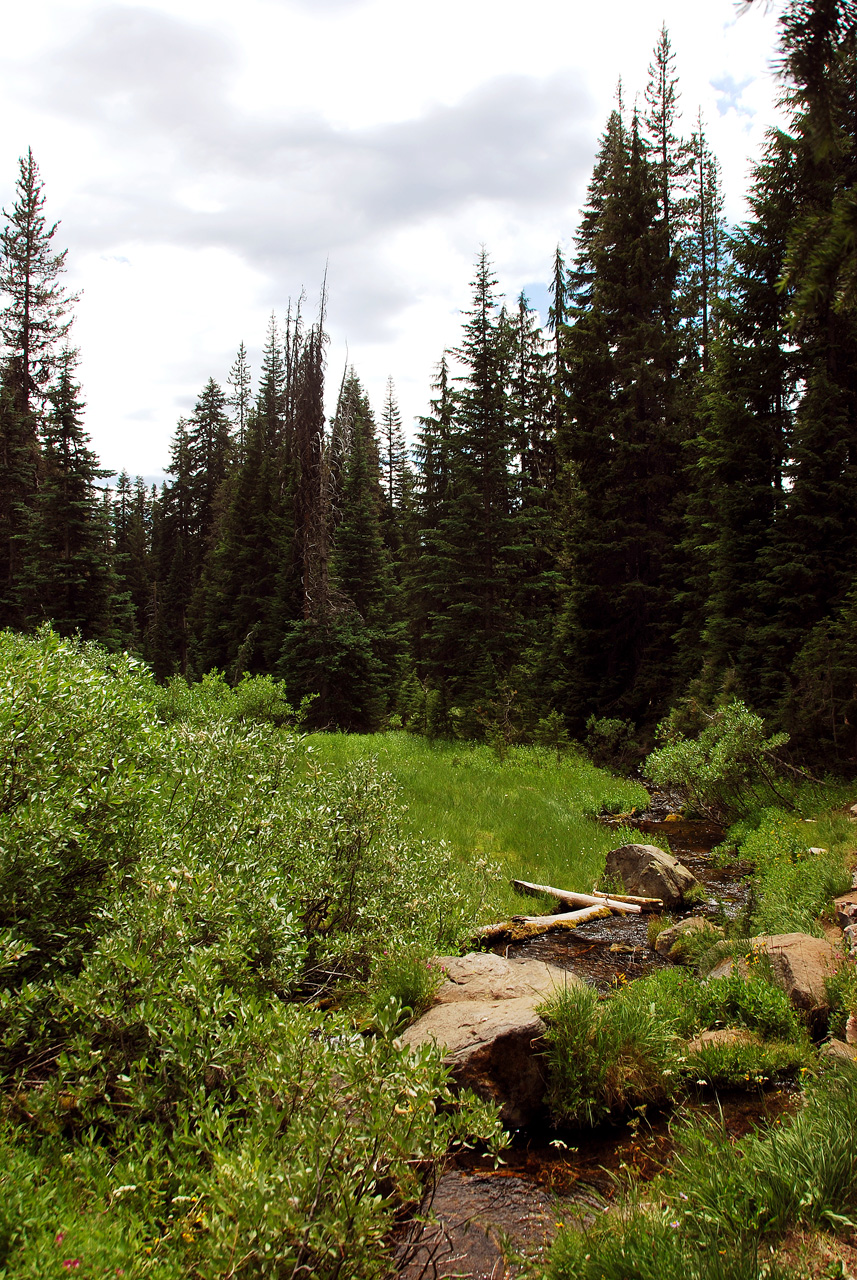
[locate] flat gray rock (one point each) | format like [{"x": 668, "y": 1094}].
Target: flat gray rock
[
  {"x": 485, "y": 1020},
  {"x": 480, "y": 975}
]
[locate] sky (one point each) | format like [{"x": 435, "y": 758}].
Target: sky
[{"x": 208, "y": 161}]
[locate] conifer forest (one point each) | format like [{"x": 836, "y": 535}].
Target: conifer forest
[{"x": 649, "y": 503}]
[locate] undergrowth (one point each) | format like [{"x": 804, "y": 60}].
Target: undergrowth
[
  {"x": 178, "y": 884},
  {"x": 605, "y": 1056},
  {"x": 529, "y": 814},
  {"x": 720, "y": 1211}
]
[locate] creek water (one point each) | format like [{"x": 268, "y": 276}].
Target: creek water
[{"x": 486, "y": 1221}]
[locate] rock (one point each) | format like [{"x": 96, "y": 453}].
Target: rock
[
  {"x": 839, "y": 1049},
  {"x": 851, "y": 1029},
  {"x": 721, "y": 1036},
  {"x": 799, "y": 965},
  {"x": 485, "y": 1018},
  {"x": 845, "y": 907},
  {"x": 480, "y": 975},
  {"x": 668, "y": 942},
  {"x": 645, "y": 869}
]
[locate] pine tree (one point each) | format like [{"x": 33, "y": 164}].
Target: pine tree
[
  {"x": 620, "y": 446},
  {"x": 131, "y": 521},
  {"x": 67, "y": 575},
  {"x": 470, "y": 637},
  {"x": 35, "y": 319},
  {"x": 241, "y": 399}
]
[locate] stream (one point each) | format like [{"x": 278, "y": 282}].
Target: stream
[{"x": 487, "y": 1221}]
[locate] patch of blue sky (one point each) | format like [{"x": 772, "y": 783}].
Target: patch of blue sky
[
  {"x": 730, "y": 93},
  {"x": 538, "y": 296}
]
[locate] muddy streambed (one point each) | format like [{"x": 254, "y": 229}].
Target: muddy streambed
[
  {"x": 489, "y": 1223},
  {"x": 484, "y": 1217}
]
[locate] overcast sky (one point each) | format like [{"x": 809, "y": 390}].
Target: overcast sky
[{"x": 207, "y": 158}]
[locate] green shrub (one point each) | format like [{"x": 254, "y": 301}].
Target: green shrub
[
  {"x": 730, "y": 767},
  {"x": 77, "y": 745},
  {"x": 177, "y": 870}
]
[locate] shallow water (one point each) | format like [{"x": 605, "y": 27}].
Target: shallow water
[{"x": 484, "y": 1216}]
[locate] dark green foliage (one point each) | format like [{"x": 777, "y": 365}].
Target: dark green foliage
[
  {"x": 66, "y": 575},
  {"x": 620, "y": 446}
]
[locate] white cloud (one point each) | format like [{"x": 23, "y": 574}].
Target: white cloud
[{"x": 207, "y": 163}]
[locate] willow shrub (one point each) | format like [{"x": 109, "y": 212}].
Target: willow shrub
[{"x": 175, "y": 888}]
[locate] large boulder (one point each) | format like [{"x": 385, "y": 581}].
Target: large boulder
[
  {"x": 799, "y": 964},
  {"x": 651, "y": 872},
  {"x": 480, "y": 975},
  {"x": 485, "y": 1019}
]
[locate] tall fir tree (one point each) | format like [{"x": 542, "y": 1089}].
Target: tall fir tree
[
  {"x": 620, "y": 446},
  {"x": 67, "y": 573}
]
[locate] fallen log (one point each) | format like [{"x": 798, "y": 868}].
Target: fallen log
[
  {"x": 565, "y": 919},
  {"x": 645, "y": 904},
  {"x": 521, "y": 927},
  {"x": 618, "y": 904}
]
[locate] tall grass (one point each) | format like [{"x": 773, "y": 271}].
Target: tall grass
[
  {"x": 721, "y": 1211},
  {"x": 528, "y": 814}
]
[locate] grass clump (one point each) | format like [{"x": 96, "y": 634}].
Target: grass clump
[
  {"x": 721, "y": 1210},
  {"x": 792, "y": 886},
  {"x": 607, "y": 1055}
]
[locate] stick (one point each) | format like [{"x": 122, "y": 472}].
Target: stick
[
  {"x": 618, "y": 904},
  {"x": 652, "y": 904}
]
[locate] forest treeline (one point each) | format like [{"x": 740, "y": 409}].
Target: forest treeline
[{"x": 650, "y": 502}]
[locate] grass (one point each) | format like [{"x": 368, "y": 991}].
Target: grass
[
  {"x": 724, "y": 1207},
  {"x": 605, "y": 1056},
  {"x": 528, "y": 814}
]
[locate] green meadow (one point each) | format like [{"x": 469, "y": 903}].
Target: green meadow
[{"x": 528, "y": 816}]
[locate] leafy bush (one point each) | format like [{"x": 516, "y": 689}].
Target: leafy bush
[
  {"x": 177, "y": 870},
  {"x": 731, "y": 766},
  {"x": 611, "y": 743},
  {"x": 77, "y": 743}
]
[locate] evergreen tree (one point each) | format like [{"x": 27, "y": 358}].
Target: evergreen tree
[
  {"x": 35, "y": 319},
  {"x": 620, "y": 446},
  {"x": 67, "y": 573},
  {"x": 470, "y": 637},
  {"x": 131, "y": 520},
  {"x": 241, "y": 399}
]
